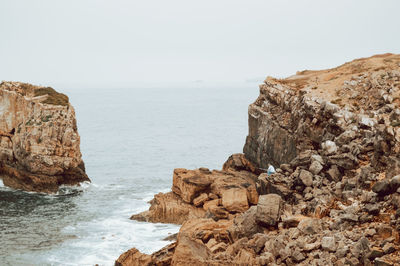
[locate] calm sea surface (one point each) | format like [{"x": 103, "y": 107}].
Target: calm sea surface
[{"x": 131, "y": 140}]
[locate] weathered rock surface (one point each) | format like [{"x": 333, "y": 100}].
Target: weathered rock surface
[
  {"x": 334, "y": 137},
  {"x": 39, "y": 140}
]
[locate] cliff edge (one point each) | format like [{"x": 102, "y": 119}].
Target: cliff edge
[
  {"x": 334, "y": 137},
  {"x": 39, "y": 140}
]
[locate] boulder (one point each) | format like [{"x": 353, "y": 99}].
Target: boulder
[
  {"x": 235, "y": 200},
  {"x": 306, "y": 178},
  {"x": 189, "y": 184},
  {"x": 200, "y": 199},
  {"x": 269, "y": 209},
  {"x": 169, "y": 208},
  {"x": 133, "y": 257}
]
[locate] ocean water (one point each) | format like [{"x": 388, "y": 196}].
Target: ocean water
[{"x": 131, "y": 140}]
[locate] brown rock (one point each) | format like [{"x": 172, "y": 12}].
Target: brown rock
[
  {"x": 133, "y": 257},
  {"x": 238, "y": 162},
  {"x": 188, "y": 184},
  {"x": 200, "y": 199},
  {"x": 39, "y": 140},
  {"x": 210, "y": 203},
  {"x": 269, "y": 209},
  {"x": 235, "y": 200},
  {"x": 169, "y": 208}
]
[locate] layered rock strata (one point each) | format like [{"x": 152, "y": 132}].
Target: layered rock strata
[
  {"x": 334, "y": 137},
  {"x": 39, "y": 140}
]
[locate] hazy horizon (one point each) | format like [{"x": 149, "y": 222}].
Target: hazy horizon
[{"x": 110, "y": 44}]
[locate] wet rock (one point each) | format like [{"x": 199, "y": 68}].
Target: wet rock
[{"x": 269, "y": 209}]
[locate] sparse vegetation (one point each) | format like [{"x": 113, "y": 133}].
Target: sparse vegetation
[
  {"x": 46, "y": 118},
  {"x": 54, "y": 97}
]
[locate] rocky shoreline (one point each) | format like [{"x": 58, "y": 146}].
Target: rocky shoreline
[
  {"x": 334, "y": 136},
  {"x": 39, "y": 140}
]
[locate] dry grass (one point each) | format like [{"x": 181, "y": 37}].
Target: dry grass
[{"x": 54, "y": 97}]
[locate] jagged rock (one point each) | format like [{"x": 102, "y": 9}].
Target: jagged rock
[
  {"x": 328, "y": 243},
  {"x": 133, "y": 257},
  {"x": 329, "y": 147},
  {"x": 169, "y": 208},
  {"x": 189, "y": 184},
  {"x": 39, "y": 140},
  {"x": 238, "y": 162},
  {"x": 269, "y": 209},
  {"x": 306, "y": 178},
  {"x": 245, "y": 225},
  {"x": 315, "y": 167},
  {"x": 200, "y": 199},
  {"x": 310, "y": 226},
  {"x": 322, "y": 207},
  {"x": 334, "y": 173}
]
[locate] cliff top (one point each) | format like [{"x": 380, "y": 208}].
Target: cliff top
[
  {"x": 29, "y": 90},
  {"x": 350, "y": 84}
]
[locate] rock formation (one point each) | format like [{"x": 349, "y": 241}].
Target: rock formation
[
  {"x": 334, "y": 137},
  {"x": 39, "y": 141}
]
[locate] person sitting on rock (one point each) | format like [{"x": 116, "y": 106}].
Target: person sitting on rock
[{"x": 271, "y": 169}]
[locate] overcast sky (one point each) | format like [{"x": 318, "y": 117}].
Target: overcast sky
[{"x": 121, "y": 43}]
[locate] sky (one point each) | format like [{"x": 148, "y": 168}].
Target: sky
[{"x": 121, "y": 43}]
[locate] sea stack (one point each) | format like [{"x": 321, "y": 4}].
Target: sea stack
[{"x": 39, "y": 140}]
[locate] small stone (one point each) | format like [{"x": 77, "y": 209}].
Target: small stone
[
  {"x": 269, "y": 209},
  {"x": 298, "y": 256},
  {"x": 329, "y": 147},
  {"x": 375, "y": 253},
  {"x": 200, "y": 199},
  {"x": 328, "y": 243},
  {"x": 265, "y": 259},
  {"x": 372, "y": 209},
  {"x": 334, "y": 173},
  {"x": 382, "y": 188},
  {"x": 382, "y": 262},
  {"x": 389, "y": 248},
  {"x": 310, "y": 226},
  {"x": 219, "y": 247},
  {"x": 315, "y": 167},
  {"x": 306, "y": 177}
]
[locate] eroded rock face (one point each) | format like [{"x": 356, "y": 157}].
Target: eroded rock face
[
  {"x": 203, "y": 193},
  {"x": 333, "y": 136},
  {"x": 39, "y": 141}
]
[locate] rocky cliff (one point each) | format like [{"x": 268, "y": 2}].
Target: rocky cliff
[
  {"x": 39, "y": 141},
  {"x": 334, "y": 137}
]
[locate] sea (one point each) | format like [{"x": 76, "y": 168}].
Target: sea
[{"x": 131, "y": 140}]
